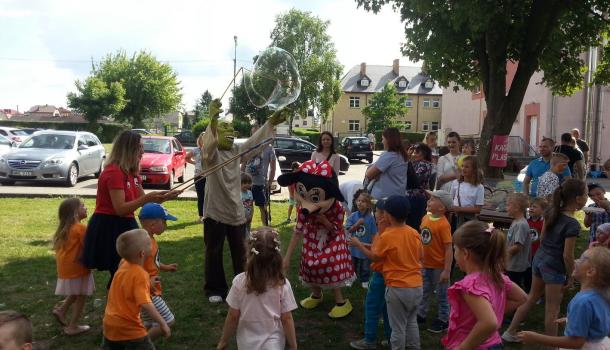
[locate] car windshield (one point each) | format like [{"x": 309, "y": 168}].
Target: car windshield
[
  {"x": 156, "y": 146},
  {"x": 49, "y": 141},
  {"x": 19, "y": 132},
  {"x": 362, "y": 141}
]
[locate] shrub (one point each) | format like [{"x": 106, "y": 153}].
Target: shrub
[{"x": 200, "y": 126}]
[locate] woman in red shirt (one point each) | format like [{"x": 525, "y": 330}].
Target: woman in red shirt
[{"x": 119, "y": 194}]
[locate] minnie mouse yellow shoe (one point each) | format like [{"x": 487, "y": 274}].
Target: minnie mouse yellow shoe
[
  {"x": 341, "y": 311},
  {"x": 310, "y": 302}
]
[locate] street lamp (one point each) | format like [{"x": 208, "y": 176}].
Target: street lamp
[{"x": 234, "y": 62}]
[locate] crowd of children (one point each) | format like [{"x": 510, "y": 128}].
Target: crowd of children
[{"x": 402, "y": 269}]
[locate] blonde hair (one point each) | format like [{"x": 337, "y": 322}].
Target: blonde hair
[
  {"x": 126, "y": 152},
  {"x": 487, "y": 245},
  {"x": 368, "y": 199},
  {"x": 131, "y": 243},
  {"x": 264, "y": 262},
  {"x": 520, "y": 199},
  {"x": 476, "y": 172},
  {"x": 557, "y": 158},
  {"x": 599, "y": 258},
  {"x": 68, "y": 216}
]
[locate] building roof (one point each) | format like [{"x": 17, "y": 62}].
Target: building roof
[
  {"x": 379, "y": 76},
  {"x": 42, "y": 109}
]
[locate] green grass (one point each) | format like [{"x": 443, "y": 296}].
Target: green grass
[{"x": 27, "y": 284}]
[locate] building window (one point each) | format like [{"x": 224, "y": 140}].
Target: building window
[
  {"x": 408, "y": 102},
  {"x": 354, "y": 125},
  {"x": 364, "y": 82},
  {"x": 402, "y": 83},
  {"x": 429, "y": 84},
  {"x": 304, "y": 122},
  {"x": 430, "y": 126},
  {"x": 436, "y": 103},
  {"x": 354, "y": 102},
  {"x": 426, "y": 103}
]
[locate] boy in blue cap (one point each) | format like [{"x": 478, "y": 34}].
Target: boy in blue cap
[{"x": 153, "y": 218}]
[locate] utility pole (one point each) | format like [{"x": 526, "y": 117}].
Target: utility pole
[{"x": 234, "y": 62}]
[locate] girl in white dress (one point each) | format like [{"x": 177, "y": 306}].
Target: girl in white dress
[{"x": 261, "y": 300}]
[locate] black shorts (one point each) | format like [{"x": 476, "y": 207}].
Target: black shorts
[
  {"x": 134, "y": 344},
  {"x": 260, "y": 195}
]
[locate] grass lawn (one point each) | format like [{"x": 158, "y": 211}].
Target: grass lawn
[{"x": 27, "y": 275}]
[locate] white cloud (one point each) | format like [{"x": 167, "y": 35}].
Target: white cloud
[{"x": 60, "y": 37}]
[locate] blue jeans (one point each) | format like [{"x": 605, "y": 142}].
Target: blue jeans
[
  {"x": 362, "y": 267},
  {"x": 431, "y": 284},
  {"x": 374, "y": 305}
]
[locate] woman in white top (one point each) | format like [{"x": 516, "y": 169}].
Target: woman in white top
[
  {"x": 326, "y": 152},
  {"x": 468, "y": 192},
  {"x": 447, "y": 169},
  {"x": 194, "y": 157}
]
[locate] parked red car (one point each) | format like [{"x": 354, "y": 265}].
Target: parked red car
[{"x": 163, "y": 161}]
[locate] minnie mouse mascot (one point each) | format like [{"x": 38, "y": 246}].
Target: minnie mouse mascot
[{"x": 325, "y": 259}]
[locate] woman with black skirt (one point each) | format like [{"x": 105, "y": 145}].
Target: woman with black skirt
[{"x": 119, "y": 194}]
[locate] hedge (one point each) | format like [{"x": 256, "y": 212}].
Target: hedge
[
  {"x": 311, "y": 135},
  {"x": 105, "y": 132}
]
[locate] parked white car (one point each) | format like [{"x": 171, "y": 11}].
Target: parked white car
[
  {"x": 6, "y": 145},
  {"x": 14, "y": 134}
]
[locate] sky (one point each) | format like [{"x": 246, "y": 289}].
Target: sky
[{"x": 46, "y": 45}]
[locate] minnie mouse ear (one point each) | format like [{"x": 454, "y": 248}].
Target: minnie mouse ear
[{"x": 288, "y": 178}]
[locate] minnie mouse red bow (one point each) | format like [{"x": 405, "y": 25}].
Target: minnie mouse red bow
[{"x": 322, "y": 169}]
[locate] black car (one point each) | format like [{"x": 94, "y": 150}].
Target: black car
[
  {"x": 292, "y": 149},
  {"x": 357, "y": 148},
  {"x": 186, "y": 138}
]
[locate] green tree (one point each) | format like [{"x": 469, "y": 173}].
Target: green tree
[
  {"x": 243, "y": 110},
  {"x": 470, "y": 42},
  {"x": 151, "y": 87},
  {"x": 96, "y": 99},
  {"x": 201, "y": 107},
  {"x": 305, "y": 37},
  {"x": 383, "y": 109}
]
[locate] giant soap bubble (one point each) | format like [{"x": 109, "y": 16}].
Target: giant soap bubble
[{"x": 274, "y": 81}]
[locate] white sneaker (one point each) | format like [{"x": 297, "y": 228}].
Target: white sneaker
[
  {"x": 215, "y": 299},
  {"x": 510, "y": 338},
  {"x": 365, "y": 285}
]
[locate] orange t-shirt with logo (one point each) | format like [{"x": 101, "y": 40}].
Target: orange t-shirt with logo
[
  {"x": 152, "y": 265},
  {"x": 68, "y": 254},
  {"x": 130, "y": 289},
  {"x": 400, "y": 250},
  {"x": 435, "y": 235}
]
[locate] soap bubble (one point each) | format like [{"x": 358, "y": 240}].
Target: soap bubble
[{"x": 274, "y": 81}]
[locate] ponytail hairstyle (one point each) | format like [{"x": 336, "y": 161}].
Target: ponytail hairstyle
[
  {"x": 487, "y": 244},
  {"x": 264, "y": 263},
  {"x": 563, "y": 196},
  {"x": 599, "y": 258},
  {"x": 68, "y": 216}
]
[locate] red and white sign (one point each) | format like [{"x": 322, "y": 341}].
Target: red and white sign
[{"x": 499, "y": 151}]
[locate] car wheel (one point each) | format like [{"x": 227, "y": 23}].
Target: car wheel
[
  {"x": 170, "y": 183},
  {"x": 97, "y": 173},
  {"x": 370, "y": 159},
  {"x": 181, "y": 178},
  {"x": 8, "y": 183},
  {"x": 72, "y": 177}
]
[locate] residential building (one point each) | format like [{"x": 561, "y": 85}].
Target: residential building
[
  {"x": 542, "y": 114},
  {"x": 423, "y": 98}
]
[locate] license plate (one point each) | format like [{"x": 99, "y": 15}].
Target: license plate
[
  {"x": 361, "y": 155},
  {"x": 22, "y": 173},
  {"x": 143, "y": 177}
]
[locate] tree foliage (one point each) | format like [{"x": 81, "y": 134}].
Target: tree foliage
[
  {"x": 96, "y": 99},
  {"x": 151, "y": 87},
  {"x": 470, "y": 42},
  {"x": 243, "y": 110},
  {"x": 201, "y": 107},
  {"x": 305, "y": 37},
  {"x": 383, "y": 109}
]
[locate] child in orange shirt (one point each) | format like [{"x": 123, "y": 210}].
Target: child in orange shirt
[
  {"x": 400, "y": 251},
  {"x": 435, "y": 233},
  {"x": 153, "y": 218},
  {"x": 73, "y": 279},
  {"x": 129, "y": 294}
]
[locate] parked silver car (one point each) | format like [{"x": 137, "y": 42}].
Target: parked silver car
[{"x": 53, "y": 155}]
